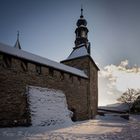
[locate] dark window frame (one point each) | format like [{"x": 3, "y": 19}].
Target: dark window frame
[{"x": 38, "y": 69}]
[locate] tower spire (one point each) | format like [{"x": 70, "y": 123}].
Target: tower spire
[
  {"x": 17, "y": 44},
  {"x": 81, "y": 31},
  {"x": 17, "y": 35},
  {"x": 81, "y": 12}
]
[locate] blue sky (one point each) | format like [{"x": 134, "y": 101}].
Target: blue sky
[{"x": 47, "y": 28}]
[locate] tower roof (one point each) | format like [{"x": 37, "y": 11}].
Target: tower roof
[
  {"x": 81, "y": 31},
  {"x": 17, "y": 44},
  {"x": 79, "y": 51},
  {"x": 81, "y": 21}
]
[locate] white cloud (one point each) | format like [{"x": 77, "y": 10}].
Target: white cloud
[
  {"x": 115, "y": 79},
  {"x": 124, "y": 63}
]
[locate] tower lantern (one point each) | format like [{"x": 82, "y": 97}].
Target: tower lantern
[{"x": 81, "y": 31}]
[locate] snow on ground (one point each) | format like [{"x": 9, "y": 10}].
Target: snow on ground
[
  {"x": 48, "y": 107},
  {"x": 101, "y": 128},
  {"x": 51, "y": 121}
]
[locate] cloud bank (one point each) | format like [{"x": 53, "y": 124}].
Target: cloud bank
[{"x": 115, "y": 79}]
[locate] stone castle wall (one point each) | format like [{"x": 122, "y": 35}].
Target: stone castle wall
[
  {"x": 16, "y": 74},
  {"x": 93, "y": 87},
  {"x": 86, "y": 63}
]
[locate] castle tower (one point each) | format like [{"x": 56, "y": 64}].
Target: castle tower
[{"x": 80, "y": 58}]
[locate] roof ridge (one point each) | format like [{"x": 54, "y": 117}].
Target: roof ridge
[{"x": 41, "y": 60}]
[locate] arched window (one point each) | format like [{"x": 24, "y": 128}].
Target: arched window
[{"x": 83, "y": 34}]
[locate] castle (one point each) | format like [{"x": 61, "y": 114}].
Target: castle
[{"x": 77, "y": 77}]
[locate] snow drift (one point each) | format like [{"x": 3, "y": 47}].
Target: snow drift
[{"x": 48, "y": 107}]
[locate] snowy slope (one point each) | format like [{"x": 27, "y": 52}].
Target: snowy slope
[{"x": 48, "y": 107}]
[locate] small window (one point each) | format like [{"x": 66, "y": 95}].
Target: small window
[
  {"x": 7, "y": 61},
  {"x": 24, "y": 66},
  {"x": 51, "y": 71},
  {"x": 38, "y": 69},
  {"x": 83, "y": 34}
]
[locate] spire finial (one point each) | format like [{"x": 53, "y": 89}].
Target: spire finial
[
  {"x": 17, "y": 45},
  {"x": 81, "y": 11},
  {"x": 17, "y": 35}
]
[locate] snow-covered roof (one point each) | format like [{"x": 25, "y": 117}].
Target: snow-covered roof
[
  {"x": 115, "y": 107},
  {"x": 78, "y": 52},
  {"x": 41, "y": 60}
]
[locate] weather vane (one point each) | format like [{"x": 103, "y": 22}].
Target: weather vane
[{"x": 81, "y": 11}]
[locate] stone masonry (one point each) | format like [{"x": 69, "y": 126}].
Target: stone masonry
[
  {"x": 87, "y": 64},
  {"x": 20, "y": 69},
  {"x": 14, "y": 83}
]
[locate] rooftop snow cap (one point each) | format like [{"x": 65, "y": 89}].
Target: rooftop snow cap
[
  {"x": 40, "y": 60},
  {"x": 81, "y": 50}
]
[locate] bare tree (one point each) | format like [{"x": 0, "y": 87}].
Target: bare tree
[{"x": 129, "y": 97}]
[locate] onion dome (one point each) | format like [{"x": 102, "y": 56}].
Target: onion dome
[{"x": 81, "y": 21}]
